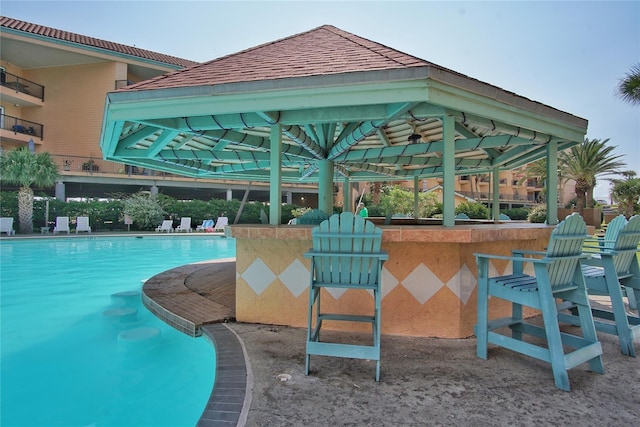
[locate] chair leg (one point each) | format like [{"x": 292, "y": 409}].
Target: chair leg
[
  {"x": 312, "y": 299},
  {"x": 589, "y": 333},
  {"x": 377, "y": 329},
  {"x": 619, "y": 312},
  {"x": 516, "y": 313},
  {"x": 633, "y": 295},
  {"x": 482, "y": 324},
  {"x": 554, "y": 342}
]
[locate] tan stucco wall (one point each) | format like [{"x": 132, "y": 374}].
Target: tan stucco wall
[
  {"x": 444, "y": 271},
  {"x": 74, "y": 106}
]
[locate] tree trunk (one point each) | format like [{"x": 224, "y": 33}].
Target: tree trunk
[
  {"x": 25, "y": 209},
  {"x": 376, "y": 193},
  {"x": 582, "y": 189}
]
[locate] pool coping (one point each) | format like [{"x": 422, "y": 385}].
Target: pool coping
[
  {"x": 167, "y": 296},
  {"x": 230, "y": 398}
]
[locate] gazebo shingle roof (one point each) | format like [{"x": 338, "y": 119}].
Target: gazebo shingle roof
[{"x": 321, "y": 51}]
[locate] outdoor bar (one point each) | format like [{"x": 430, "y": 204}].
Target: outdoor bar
[
  {"x": 428, "y": 283},
  {"x": 329, "y": 107}
]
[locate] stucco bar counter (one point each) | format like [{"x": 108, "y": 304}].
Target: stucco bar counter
[{"x": 428, "y": 287}]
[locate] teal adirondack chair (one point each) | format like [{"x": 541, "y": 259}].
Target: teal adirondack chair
[
  {"x": 346, "y": 254},
  {"x": 613, "y": 271},
  {"x": 557, "y": 275}
]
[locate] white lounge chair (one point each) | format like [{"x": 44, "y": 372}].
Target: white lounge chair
[
  {"x": 167, "y": 225},
  {"x": 185, "y": 225},
  {"x": 221, "y": 223},
  {"x": 206, "y": 225},
  {"x": 82, "y": 224},
  {"x": 62, "y": 224},
  {"x": 6, "y": 226}
]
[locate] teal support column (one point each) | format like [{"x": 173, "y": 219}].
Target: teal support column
[
  {"x": 448, "y": 176},
  {"x": 416, "y": 200},
  {"x": 552, "y": 183},
  {"x": 275, "y": 177},
  {"x": 495, "y": 183},
  {"x": 325, "y": 186},
  {"x": 346, "y": 195}
]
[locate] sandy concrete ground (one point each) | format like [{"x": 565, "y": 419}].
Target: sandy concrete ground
[{"x": 433, "y": 382}]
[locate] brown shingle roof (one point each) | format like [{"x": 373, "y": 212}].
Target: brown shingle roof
[
  {"x": 321, "y": 51},
  {"x": 53, "y": 33}
]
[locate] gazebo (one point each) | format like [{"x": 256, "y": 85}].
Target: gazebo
[{"x": 326, "y": 106}]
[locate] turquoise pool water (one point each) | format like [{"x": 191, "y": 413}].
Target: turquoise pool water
[{"x": 62, "y": 361}]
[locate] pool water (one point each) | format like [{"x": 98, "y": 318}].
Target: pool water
[{"x": 64, "y": 360}]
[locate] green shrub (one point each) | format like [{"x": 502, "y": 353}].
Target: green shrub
[
  {"x": 516, "y": 213},
  {"x": 538, "y": 214},
  {"x": 475, "y": 210}
]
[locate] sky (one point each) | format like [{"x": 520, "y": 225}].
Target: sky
[{"x": 570, "y": 55}]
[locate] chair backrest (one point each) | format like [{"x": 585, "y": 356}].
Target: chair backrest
[
  {"x": 626, "y": 245},
  {"x": 565, "y": 245},
  {"x": 608, "y": 241},
  {"x": 313, "y": 216},
  {"x": 6, "y": 224},
  {"x": 167, "y": 224},
  {"x": 82, "y": 223},
  {"x": 504, "y": 217},
  {"x": 349, "y": 240},
  {"x": 62, "y": 223},
  {"x": 221, "y": 222},
  {"x": 185, "y": 222},
  {"x": 462, "y": 215}
]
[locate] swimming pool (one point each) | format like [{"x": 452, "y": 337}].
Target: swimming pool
[{"x": 62, "y": 361}]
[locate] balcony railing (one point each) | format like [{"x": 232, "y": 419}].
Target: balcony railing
[
  {"x": 17, "y": 125},
  {"x": 21, "y": 85},
  {"x": 502, "y": 196},
  {"x": 96, "y": 165}
]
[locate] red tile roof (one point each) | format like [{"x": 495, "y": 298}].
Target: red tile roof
[
  {"x": 319, "y": 52},
  {"x": 53, "y": 33}
]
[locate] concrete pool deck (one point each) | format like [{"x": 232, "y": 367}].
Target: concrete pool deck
[{"x": 424, "y": 381}]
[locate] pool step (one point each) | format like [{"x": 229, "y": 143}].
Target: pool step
[
  {"x": 126, "y": 297},
  {"x": 121, "y": 314},
  {"x": 137, "y": 339}
]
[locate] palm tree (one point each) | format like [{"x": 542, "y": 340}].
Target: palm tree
[
  {"x": 629, "y": 87},
  {"x": 584, "y": 163},
  {"x": 627, "y": 193},
  {"x": 26, "y": 168}
]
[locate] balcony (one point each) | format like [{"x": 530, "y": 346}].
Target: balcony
[
  {"x": 79, "y": 165},
  {"x": 19, "y": 91},
  {"x": 14, "y": 129}
]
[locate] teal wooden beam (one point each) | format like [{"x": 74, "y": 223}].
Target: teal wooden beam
[
  {"x": 552, "y": 183},
  {"x": 161, "y": 142},
  {"x": 137, "y": 136},
  {"x": 275, "y": 179},
  {"x": 366, "y": 129},
  {"x": 416, "y": 199},
  {"x": 448, "y": 176},
  {"x": 495, "y": 188}
]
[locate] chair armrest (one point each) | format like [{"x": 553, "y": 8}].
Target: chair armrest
[
  {"x": 512, "y": 258},
  {"x": 522, "y": 252},
  {"x": 382, "y": 255}
]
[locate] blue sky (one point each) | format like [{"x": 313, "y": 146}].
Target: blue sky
[{"x": 567, "y": 54}]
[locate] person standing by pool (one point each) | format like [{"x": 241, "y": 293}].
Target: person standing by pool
[{"x": 362, "y": 210}]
